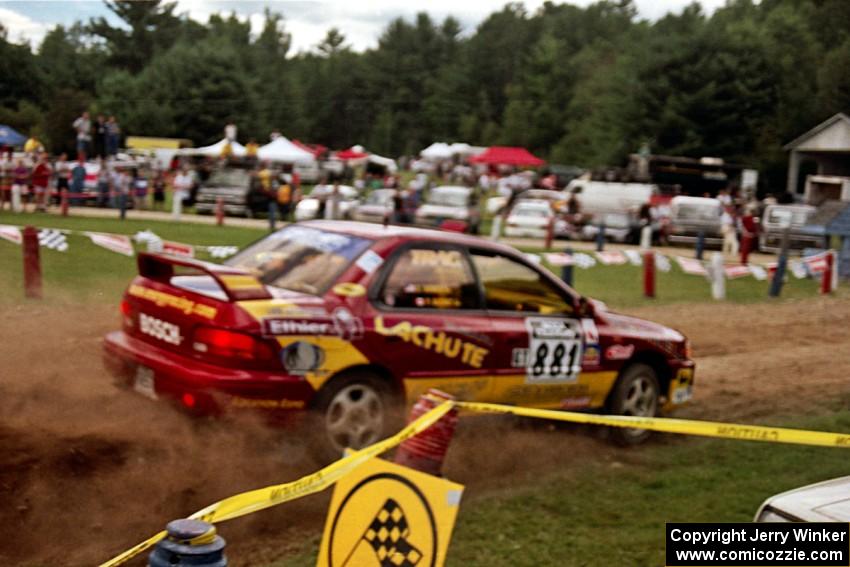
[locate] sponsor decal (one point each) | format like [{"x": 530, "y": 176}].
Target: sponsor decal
[
  {"x": 436, "y": 341},
  {"x": 162, "y": 299},
  {"x": 349, "y": 289},
  {"x": 591, "y": 332},
  {"x": 436, "y": 258},
  {"x": 369, "y": 261},
  {"x": 159, "y": 329},
  {"x": 341, "y": 324},
  {"x": 240, "y": 402},
  {"x": 591, "y": 356},
  {"x": 575, "y": 403},
  {"x": 619, "y": 352},
  {"x": 555, "y": 350},
  {"x": 519, "y": 357}
]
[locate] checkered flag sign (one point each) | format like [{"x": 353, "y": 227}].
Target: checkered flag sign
[
  {"x": 53, "y": 239},
  {"x": 387, "y": 535}
]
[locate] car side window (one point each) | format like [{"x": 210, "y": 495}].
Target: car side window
[
  {"x": 430, "y": 278},
  {"x": 512, "y": 286}
]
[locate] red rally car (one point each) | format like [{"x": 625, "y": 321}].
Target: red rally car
[{"x": 351, "y": 320}]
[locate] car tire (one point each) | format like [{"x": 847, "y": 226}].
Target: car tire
[
  {"x": 636, "y": 393},
  {"x": 353, "y": 410}
]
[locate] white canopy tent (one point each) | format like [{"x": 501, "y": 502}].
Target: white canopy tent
[
  {"x": 282, "y": 150},
  {"x": 437, "y": 151},
  {"x": 236, "y": 150},
  {"x": 389, "y": 163}
]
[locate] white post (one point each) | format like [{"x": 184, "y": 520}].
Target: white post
[
  {"x": 834, "y": 282},
  {"x": 496, "y": 228},
  {"x": 646, "y": 237},
  {"x": 718, "y": 276}
]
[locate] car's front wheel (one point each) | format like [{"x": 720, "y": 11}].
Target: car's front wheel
[
  {"x": 636, "y": 393},
  {"x": 353, "y": 411}
]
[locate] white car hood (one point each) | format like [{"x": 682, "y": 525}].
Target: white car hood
[{"x": 442, "y": 211}]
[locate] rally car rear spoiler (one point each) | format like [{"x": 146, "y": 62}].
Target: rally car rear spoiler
[{"x": 236, "y": 283}]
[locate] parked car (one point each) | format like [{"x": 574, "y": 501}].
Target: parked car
[
  {"x": 531, "y": 218},
  {"x": 450, "y": 202},
  {"x": 238, "y": 189},
  {"x": 309, "y": 173},
  {"x": 795, "y": 217},
  {"x": 377, "y": 207},
  {"x": 354, "y": 320},
  {"x": 821, "y": 502},
  {"x": 690, "y": 216},
  {"x": 313, "y": 206},
  {"x": 557, "y": 198},
  {"x": 619, "y": 227}
]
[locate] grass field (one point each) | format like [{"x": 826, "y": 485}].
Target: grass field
[
  {"x": 87, "y": 270},
  {"x": 613, "y": 512}
]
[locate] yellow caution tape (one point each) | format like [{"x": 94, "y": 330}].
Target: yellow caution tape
[
  {"x": 682, "y": 426},
  {"x": 248, "y": 502}
]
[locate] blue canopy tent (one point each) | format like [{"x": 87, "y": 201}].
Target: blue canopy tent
[{"x": 10, "y": 137}]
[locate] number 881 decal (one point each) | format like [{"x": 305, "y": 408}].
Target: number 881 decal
[{"x": 554, "y": 350}]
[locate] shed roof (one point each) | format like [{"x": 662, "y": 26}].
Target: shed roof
[{"x": 833, "y": 134}]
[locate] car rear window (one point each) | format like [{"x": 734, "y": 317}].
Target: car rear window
[{"x": 300, "y": 258}]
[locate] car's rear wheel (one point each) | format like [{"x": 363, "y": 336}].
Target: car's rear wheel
[
  {"x": 636, "y": 393},
  {"x": 353, "y": 411}
]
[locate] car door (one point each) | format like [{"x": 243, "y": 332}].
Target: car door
[
  {"x": 539, "y": 342},
  {"x": 429, "y": 322}
]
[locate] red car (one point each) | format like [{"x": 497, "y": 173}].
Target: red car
[{"x": 352, "y": 319}]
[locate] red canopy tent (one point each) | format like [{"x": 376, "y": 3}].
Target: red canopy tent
[
  {"x": 502, "y": 155},
  {"x": 315, "y": 149},
  {"x": 351, "y": 154}
]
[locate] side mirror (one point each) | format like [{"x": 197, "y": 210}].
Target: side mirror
[{"x": 584, "y": 308}]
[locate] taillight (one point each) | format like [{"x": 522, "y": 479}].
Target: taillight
[
  {"x": 126, "y": 313},
  {"x": 231, "y": 344}
]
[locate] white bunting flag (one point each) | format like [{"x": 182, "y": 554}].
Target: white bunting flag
[
  {"x": 758, "y": 272},
  {"x": 222, "y": 251},
  {"x": 11, "y": 233},
  {"x": 114, "y": 242},
  {"x": 735, "y": 272},
  {"x": 634, "y": 257},
  {"x": 583, "y": 260},
  {"x": 691, "y": 266},
  {"x": 662, "y": 263},
  {"x": 611, "y": 258}
]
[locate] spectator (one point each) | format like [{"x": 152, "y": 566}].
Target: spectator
[
  {"x": 230, "y": 131},
  {"x": 41, "y": 174},
  {"x": 728, "y": 229},
  {"x": 251, "y": 149},
  {"x": 139, "y": 184},
  {"x": 103, "y": 178},
  {"x": 158, "y": 190},
  {"x": 122, "y": 188},
  {"x": 113, "y": 136},
  {"x": 332, "y": 205},
  {"x": 78, "y": 179},
  {"x": 83, "y": 127},
  {"x": 100, "y": 133},
  {"x": 182, "y": 184},
  {"x": 284, "y": 200},
  {"x": 20, "y": 181},
  {"x": 33, "y": 147},
  {"x": 61, "y": 172}
]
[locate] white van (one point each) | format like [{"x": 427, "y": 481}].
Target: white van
[{"x": 605, "y": 197}]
